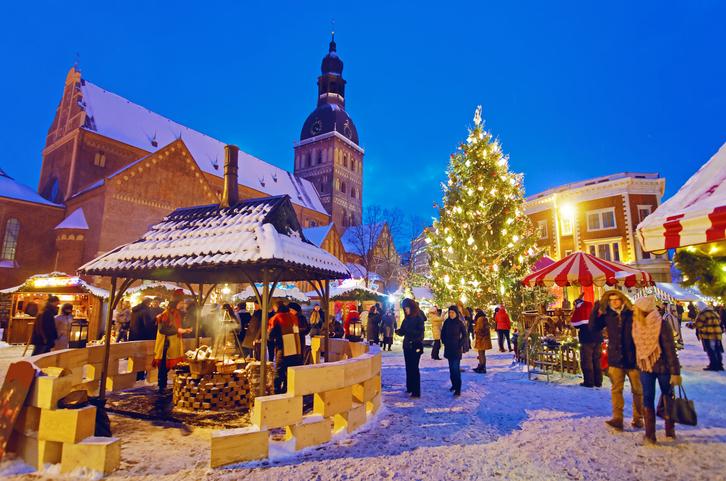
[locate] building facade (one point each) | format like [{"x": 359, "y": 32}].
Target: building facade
[
  {"x": 328, "y": 153},
  {"x": 112, "y": 168},
  {"x": 599, "y": 216}
]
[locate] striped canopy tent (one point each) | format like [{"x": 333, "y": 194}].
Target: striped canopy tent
[
  {"x": 584, "y": 270},
  {"x": 695, "y": 215}
]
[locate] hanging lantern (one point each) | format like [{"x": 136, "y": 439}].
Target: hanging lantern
[
  {"x": 355, "y": 330},
  {"x": 78, "y": 336}
]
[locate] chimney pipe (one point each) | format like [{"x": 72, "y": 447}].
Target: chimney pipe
[{"x": 230, "y": 195}]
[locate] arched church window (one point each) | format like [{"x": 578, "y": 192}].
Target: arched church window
[
  {"x": 352, "y": 192},
  {"x": 345, "y": 160},
  {"x": 10, "y": 240},
  {"x": 99, "y": 159},
  {"x": 342, "y": 187}
]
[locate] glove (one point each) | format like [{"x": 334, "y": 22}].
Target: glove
[{"x": 676, "y": 380}]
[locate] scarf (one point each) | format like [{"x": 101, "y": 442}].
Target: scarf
[{"x": 646, "y": 336}]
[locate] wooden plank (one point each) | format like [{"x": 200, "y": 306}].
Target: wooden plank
[
  {"x": 366, "y": 390},
  {"x": 276, "y": 411},
  {"x": 311, "y": 431},
  {"x": 329, "y": 403},
  {"x": 302, "y": 380},
  {"x": 67, "y": 425},
  {"x": 95, "y": 453},
  {"x": 238, "y": 445},
  {"x": 36, "y": 452}
]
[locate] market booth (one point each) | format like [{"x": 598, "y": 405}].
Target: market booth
[
  {"x": 29, "y": 298},
  {"x": 551, "y": 343}
]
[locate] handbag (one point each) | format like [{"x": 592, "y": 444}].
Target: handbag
[{"x": 683, "y": 411}]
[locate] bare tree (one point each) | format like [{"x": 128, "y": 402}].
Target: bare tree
[{"x": 373, "y": 242}]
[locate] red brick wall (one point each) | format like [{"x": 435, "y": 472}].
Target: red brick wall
[
  {"x": 581, "y": 215},
  {"x": 36, "y": 242},
  {"x": 549, "y": 244}
]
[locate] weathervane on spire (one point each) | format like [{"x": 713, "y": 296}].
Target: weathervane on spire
[{"x": 332, "y": 35}]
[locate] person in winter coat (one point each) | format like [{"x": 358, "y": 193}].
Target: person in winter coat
[
  {"x": 143, "y": 324},
  {"x": 467, "y": 320},
  {"x": 671, "y": 316},
  {"x": 388, "y": 327},
  {"x": 351, "y": 316},
  {"x": 244, "y": 319},
  {"x": 655, "y": 355},
  {"x": 482, "y": 340},
  {"x": 317, "y": 321},
  {"x": 614, "y": 313},
  {"x": 412, "y": 330},
  {"x": 504, "y": 325},
  {"x": 44, "y": 333},
  {"x": 454, "y": 335},
  {"x": 436, "y": 323},
  {"x": 373, "y": 325},
  {"x": 285, "y": 334},
  {"x": 692, "y": 312},
  {"x": 123, "y": 321},
  {"x": 590, "y": 343},
  {"x": 63, "y": 327},
  {"x": 251, "y": 341},
  {"x": 303, "y": 326},
  {"x": 708, "y": 327},
  {"x": 168, "y": 348}
]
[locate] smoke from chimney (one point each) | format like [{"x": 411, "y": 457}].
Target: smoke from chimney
[{"x": 230, "y": 195}]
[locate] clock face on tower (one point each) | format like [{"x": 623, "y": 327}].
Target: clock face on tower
[{"x": 316, "y": 127}]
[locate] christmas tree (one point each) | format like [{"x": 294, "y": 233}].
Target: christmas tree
[{"x": 483, "y": 244}]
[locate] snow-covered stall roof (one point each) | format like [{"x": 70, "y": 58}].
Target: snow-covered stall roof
[
  {"x": 359, "y": 272},
  {"x": 317, "y": 235},
  {"x": 695, "y": 215},
  {"x": 56, "y": 282},
  {"x": 287, "y": 292},
  {"x": 118, "y": 118},
  {"x": 678, "y": 292},
  {"x": 77, "y": 220},
  {"x": 12, "y": 189},
  {"x": 212, "y": 244},
  {"x": 146, "y": 286}
]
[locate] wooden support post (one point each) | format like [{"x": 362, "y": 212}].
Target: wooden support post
[
  {"x": 113, "y": 300},
  {"x": 263, "y": 327}
]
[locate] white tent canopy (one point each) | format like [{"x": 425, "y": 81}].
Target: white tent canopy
[
  {"x": 695, "y": 215},
  {"x": 288, "y": 292}
]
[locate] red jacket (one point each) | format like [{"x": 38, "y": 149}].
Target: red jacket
[
  {"x": 285, "y": 333},
  {"x": 581, "y": 313},
  {"x": 502, "y": 320}
]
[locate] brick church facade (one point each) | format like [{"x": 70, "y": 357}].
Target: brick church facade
[{"x": 112, "y": 168}]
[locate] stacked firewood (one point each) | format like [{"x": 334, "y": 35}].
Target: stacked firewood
[
  {"x": 214, "y": 392},
  {"x": 253, "y": 374}
]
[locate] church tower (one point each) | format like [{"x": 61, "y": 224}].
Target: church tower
[{"x": 328, "y": 153}]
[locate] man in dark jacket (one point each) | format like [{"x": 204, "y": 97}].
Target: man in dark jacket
[
  {"x": 590, "y": 343},
  {"x": 44, "y": 332},
  {"x": 143, "y": 324},
  {"x": 615, "y": 314},
  {"x": 412, "y": 330}
]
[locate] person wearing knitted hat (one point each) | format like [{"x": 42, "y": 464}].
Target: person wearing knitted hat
[
  {"x": 615, "y": 315},
  {"x": 655, "y": 354}
]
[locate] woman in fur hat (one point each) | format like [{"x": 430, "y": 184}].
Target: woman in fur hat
[{"x": 655, "y": 354}]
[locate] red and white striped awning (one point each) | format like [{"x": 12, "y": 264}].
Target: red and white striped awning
[
  {"x": 581, "y": 269},
  {"x": 695, "y": 215}
]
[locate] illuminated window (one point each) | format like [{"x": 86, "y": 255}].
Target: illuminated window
[
  {"x": 610, "y": 251},
  {"x": 542, "y": 229},
  {"x": 566, "y": 226},
  {"x": 10, "y": 241},
  {"x": 601, "y": 219},
  {"x": 99, "y": 159}
]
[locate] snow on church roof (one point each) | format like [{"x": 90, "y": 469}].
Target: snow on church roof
[
  {"x": 118, "y": 118},
  {"x": 209, "y": 242},
  {"x": 11, "y": 189},
  {"x": 317, "y": 235},
  {"x": 77, "y": 220}
]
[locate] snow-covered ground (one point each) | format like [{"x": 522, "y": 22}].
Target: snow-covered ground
[{"x": 502, "y": 427}]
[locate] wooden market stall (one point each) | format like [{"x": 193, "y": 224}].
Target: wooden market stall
[
  {"x": 551, "y": 344},
  {"x": 28, "y": 300},
  {"x": 252, "y": 241}
]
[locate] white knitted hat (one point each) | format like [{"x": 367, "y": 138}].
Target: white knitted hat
[{"x": 646, "y": 303}]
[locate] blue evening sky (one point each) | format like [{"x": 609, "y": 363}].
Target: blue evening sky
[{"x": 573, "y": 89}]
